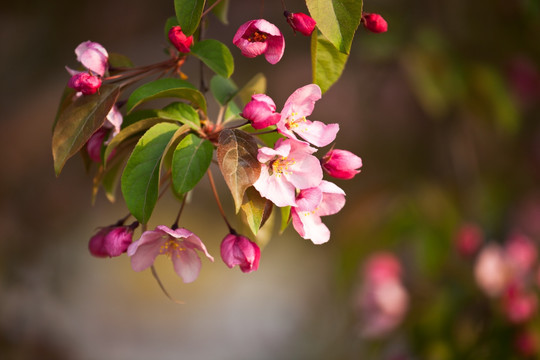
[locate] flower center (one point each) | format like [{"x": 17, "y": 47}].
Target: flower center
[
  {"x": 257, "y": 37},
  {"x": 293, "y": 122},
  {"x": 281, "y": 166},
  {"x": 170, "y": 247}
]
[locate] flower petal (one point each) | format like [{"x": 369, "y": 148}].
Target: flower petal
[{"x": 186, "y": 264}]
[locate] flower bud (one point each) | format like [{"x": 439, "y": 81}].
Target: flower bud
[
  {"x": 261, "y": 111},
  {"x": 374, "y": 23},
  {"x": 468, "y": 239},
  {"x": 239, "y": 250},
  {"x": 341, "y": 164},
  {"x": 300, "y": 22},
  {"x": 85, "y": 83},
  {"x": 93, "y": 56},
  {"x": 180, "y": 41},
  {"x": 112, "y": 240},
  {"x": 94, "y": 144}
]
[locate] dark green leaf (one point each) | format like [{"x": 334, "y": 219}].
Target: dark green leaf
[
  {"x": 237, "y": 158},
  {"x": 257, "y": 209},
  {"x": 65, "y": 100},
  {"x": 79, "y": 120},
  {"x": 164, "y": 88},
  {"x": 140, "y": 180},
  {"x": 327, "y": 62},
  {"x": 188, "y": 13},
  {"x": 191, "y": 159},
  {"x": 215, "y": 55},
  {"x": 337, "y": 20},
  {"x": 221, "y": 10}
]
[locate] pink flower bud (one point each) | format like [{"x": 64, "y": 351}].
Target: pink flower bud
[
  {"x": 94, "y": 144},
  {"x": 519, "y": 306},
  {"x": 239, "y": 250},
  {"x": 374, "y": 23},
  {"x": 85, "y": 83},
  {"x": 111, "y": 241},
  {"x": 468, "y": 239},
  {"x": 93, "y": 56},
  {"x": 261, "y": 111},
  {"x": 381, "y": 267},
  {"x": 180, "y": 41},
  {"x": 521, "y": 253},
  {"x": 300, "y": 22},
  {"x": 341, "y": 164}
]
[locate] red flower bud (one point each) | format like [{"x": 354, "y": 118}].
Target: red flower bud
[
  {"x": 239, "y": 250},
  {"x": 374, "y": 23},
  {"x": 85, "y": 83},
  {"x": 300, "y": 22},
  {"x": 180, "y": 41},
  {"x": 111, "y": 241}
]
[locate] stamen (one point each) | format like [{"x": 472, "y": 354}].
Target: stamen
[{"x": 257, "y": 37}]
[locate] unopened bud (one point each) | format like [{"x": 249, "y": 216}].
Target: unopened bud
[
  {"x": 180, "y": 41},
  {"x": 374, "y": 23},
  {"x": 239, "y": 250},
  {"x": 85, "y": 83},
  {"x": 111, "y": 241},
  {"x": 300, "y": 22},
  {"x": 341, "y": 164}
]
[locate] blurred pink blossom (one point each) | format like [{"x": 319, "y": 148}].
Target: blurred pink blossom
[
  {"x": 526, "y": 343},
  {"x": 519, "y": 305},
  {"x": 468, "y": 239},
  {"x": 491, "y": 270},
  {"x": 521, "y": 253}
]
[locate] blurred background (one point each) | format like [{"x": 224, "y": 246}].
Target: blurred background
[{"x": 433, "y": 257}]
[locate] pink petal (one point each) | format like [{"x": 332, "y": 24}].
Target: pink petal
[
  {"x": 276, "y": 189},
  {"x": 187, "y": 264},
  {"x": 251, "y": 49},
  {"x": 305, "y": 173},
  {"x": 241, "y": 31},
  {"x": 275, "y": 50},
  {"x": 260, "y": 111},
  {"x": 281, "y": 148},
  {"x": 144, "y": 251},
  {"x": 333, "y": 199},
  {"x": 310, "y": 226},
  {"x": 194, "y": 242},
  {"x": 309, "y": 199},
  {"x": 316, "y": 132},
  {"x": 302, "y": 101},
  {"x": 266, "y": 27},
  {"x": 93, "y": 56}
]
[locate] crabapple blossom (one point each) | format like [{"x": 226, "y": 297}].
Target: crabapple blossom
[
  {"x": 94, "y": 144},
  {"x": 257, "y": 37},
  {"x": 311, "y": 204},
  {"x": 180, "y": 41},
  {"x": 521, "y": 253},
  {"x": 374, "y": 23},
  {"x": 519, "y": 305},
  {"x": 239, "y": 250},
  {"x": 179, "y": 244},
  {"x": 84, "y": 83},
  {"x": 93, "y": 56},
  {"x": 111, "y": 241},
  {"x": 341, "y": 164},
  {"x": 293, "y": 118},
  {"x": 113, "y": 120},
  {"x": 468, "y": 239},
  {"x": 491, "y": 270},
  {"x": 287, "y": 167},
  {"x": 261, "y": 111},
  {"x": 300, "y": 22}
]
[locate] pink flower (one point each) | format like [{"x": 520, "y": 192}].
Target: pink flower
[
  {"x": 179, "y": 245},
  {"x": 311, "y": 204},
  {"x": 93, "y": 56},
  {"x": 491, "y": 270},
  {"x": 95, "y": 143},
  {"x": 239, "y": 250},
  {"x": 300, "y": 22},
  {"x": 257, "y": 37},
  {"x": 341, "y": 164},
  {"x": 113, "y": 121},
  {"x": 468, "y": 239},
  {"x": 111, "y": 241},
  {"x": 518, "y": 305},
  {"x": 180, "y": 41},
  {"x": 374, "y": 23},
  {"x": 85, "y": 83},
  {"x": 526, "y": 343},
  {"x": 261, "y": 111},
  {"x": 293, "y": 118},
  {"x": 521, "y": 253},
  {"x": 287, "y": 167},
  {"x": 381, "y": 301}
]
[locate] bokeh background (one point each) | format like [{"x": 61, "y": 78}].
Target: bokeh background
[{"x": 443, "y": 109}]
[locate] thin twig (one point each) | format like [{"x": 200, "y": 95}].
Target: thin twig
[{"x": 154, "y": 273}]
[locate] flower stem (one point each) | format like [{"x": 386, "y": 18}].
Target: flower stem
[
  {"x": 216, "y": 196},
  {"x": 154, "y": 273},
  {"x": 210, "y": 8},
  {"x": 175, "y": 225}
]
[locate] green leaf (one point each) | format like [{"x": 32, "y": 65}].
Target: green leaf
[
  {"x": 172, "y": 21},
  {"x": 139, "y": 115},
  {"x": 111, "y": 178},
  {"x": 221, "y": 10},
  {"x": 164, "y": 88},
  {"x": 188, "y": 13},
  {"x": 65, "y": 100},
  {"x": 257, "y": 85},
  {"x": 78, "y": 121},
  {"x": 337, "y": 20},
  {"x": 285, "y": 218},
  {"x": 119, "y": 61},
  {"x": 129, "y": 132},
  {"x": 140, "y": 180},
  {"x": 166, "y": 160},
  {"x": 223, "y": 89},
  {"x": 191, "y": 159},
  {"x": 181, "y": 112},
  {"x": 327, "y": 62},
  {"x": 215, "y": 55},
  {"x": 237, "y": 159},
  {"x": 257, "y": 209}
]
